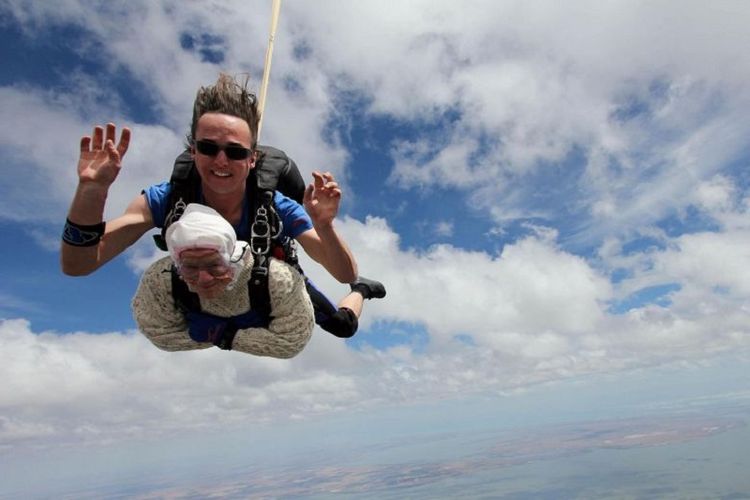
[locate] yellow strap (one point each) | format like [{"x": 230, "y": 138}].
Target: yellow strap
[{"x": 267, "y": 65}]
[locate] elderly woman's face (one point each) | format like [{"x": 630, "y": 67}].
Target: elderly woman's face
[{"x": 204, "y": 271}]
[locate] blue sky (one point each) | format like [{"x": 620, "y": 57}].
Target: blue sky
[{"x": 549, "y": 192}]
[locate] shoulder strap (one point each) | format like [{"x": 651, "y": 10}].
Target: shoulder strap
[
  {"x": 276, "y": 171},
  {"x": 185, "y": 300},
  {"x": 264, "y": 230},
  {"x": 257, "y": 288},
  {"x": 184, "y": 184},
  {"x": 188, "y": 303}
]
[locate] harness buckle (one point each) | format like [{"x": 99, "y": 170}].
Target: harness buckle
[
  {"x": 260, "y": 233},
  {"x": 279, "y": 223},
  {"x": 176, "y": 212},
  {"x": 260, "y": 270}
]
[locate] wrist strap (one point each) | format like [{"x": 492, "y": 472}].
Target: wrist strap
[{"x": 80, "y": 235}]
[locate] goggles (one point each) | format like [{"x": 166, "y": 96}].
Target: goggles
[
  {"x": 232, "y": 151},
  {"x": 191, "y": 272}
]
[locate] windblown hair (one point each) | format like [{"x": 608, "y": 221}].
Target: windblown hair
[{"x": 230, "y": 97}]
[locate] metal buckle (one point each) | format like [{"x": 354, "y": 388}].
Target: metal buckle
[
  {"x": 278, "y": 219},
  {"x": 176, "y": 212},
  {"x": 260, "y": 233}
]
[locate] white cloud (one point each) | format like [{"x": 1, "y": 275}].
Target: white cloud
[
  {"x": 50, "y": 165},
  {"x": 536, "y": 300},
  {"x": 531, "y": 314},
  {"x": 444, "y": 228},
  {"x": 704, "y": 261},
  {"x": 530, "y": 83},
  {"x": 93, "y": 388},
  {"x": 715, "y": 194},
  {"x": 709, "y": 260}
]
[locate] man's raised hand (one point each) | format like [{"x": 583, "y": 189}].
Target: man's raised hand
[
  {"x": 100, "y": 159},
  {"x": 322, "y": 198}
]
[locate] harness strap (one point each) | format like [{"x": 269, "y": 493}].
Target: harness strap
[
  {"x": 210, "y": 328},
  {"x": 265, "y": 229},
  {"x": 185, "y": 300},
  {"x": 260, "y": 298},
  {"x": 227, "y": 336},
  {"x": 183, "y": 184}
]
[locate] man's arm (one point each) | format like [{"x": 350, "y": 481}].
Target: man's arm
[
  {"x": 326, "y": 247},
  {"x": 323, "y": 243},
  {"x": 119, "y": 234},
  {"x": 293, "y": 317},
  {"x": 98, "y": 166}
]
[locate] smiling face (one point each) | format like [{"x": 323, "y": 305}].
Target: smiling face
[
  {"x": 204, "y": 271},
  {"x": 221, "y": 176}
]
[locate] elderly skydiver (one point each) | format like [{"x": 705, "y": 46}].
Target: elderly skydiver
[{"x": 198, "y": 296}]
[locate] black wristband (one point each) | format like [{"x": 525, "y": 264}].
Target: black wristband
[{"x": 80, "y": 235}]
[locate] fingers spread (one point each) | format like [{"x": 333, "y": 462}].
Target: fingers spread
[
  {"x": 110, "y": 131},
  {"x": 98, "y": 138},
  {"x": 308, "y": 193},
  {"x": 114, "y": 155},
  {"x": 318, "y": 179},
  {"x": 122, "y": 147},
  {"x": 323, "y": 186}
]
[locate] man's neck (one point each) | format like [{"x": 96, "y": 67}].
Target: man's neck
[{"x": 228, "y": 205}]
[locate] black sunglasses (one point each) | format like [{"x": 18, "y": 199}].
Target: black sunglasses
[{"x": 232, "y": 152}]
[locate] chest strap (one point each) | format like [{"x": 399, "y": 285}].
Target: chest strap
[{"x": 206, "y": 327}]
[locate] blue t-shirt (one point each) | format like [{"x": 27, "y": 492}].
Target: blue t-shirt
[{"x": 293, "y": 217}]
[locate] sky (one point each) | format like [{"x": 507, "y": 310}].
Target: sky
[{"x": 554, "y": 194}]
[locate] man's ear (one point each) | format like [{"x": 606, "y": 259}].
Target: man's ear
[{"x": 252, "y": 159}]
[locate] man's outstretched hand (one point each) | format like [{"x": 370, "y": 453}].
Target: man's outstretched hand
[
  {"x": 100, "y": 159},
  {"x": 322, "y": 198}
]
